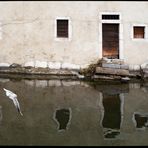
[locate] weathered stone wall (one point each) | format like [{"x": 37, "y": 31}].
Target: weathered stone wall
[{"x": 27, "y": 33}]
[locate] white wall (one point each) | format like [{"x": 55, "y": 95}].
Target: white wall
[{"x": 28, "y": 31}]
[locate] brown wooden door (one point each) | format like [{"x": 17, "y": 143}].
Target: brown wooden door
[{"x": 110, "y": 37}]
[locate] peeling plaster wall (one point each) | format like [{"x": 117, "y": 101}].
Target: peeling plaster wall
[{"x": 27, "y": 32}]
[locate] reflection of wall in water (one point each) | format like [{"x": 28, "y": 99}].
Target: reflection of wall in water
[
  {"x": 63, "y": 118},
  {"x": 1, "y": 115},
  {"x": 54, "y": 83},
  {"x": 3, "y": 80}
]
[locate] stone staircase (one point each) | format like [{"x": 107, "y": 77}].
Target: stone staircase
[{"x": 112, "y": 67}]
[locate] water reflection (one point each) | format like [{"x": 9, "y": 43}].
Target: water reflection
[
  {"x": 112, "y": 114},
  {"x": 140, "y": 120},
  {"x": 54, "y": 83},
  {"x": 48, "y": 118},
  {"x": 4, "y": 80},
  {"x": 13, "y": 97},
  {"x": 62, "y": 117},
  {"x": 1, "y": 114}
]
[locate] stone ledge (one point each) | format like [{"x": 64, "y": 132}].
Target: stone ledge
[
  {"x": 44, "y": 71},
  {"x": 120, "y": 72}
]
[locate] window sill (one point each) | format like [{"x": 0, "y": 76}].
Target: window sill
[
  {"x": 62, "y": 39},
  {"x": 139, "y": 39}
]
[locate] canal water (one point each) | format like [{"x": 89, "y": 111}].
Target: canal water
[{"x": 73, "y": 113}]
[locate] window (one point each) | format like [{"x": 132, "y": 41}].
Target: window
[
  {"x": 62, "y": 28},
  {"x": 139, "y": 32},
  {"x": 110, "y": 17}
]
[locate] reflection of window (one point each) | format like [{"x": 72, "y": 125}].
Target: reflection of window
[
  {"x": 139, "y": 31},
  {"x": 62, "y": 28},
  {"x": 62, "y": 117},
  {"x": 141, "y": 121}
]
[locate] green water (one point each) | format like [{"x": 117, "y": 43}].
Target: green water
[{"x": 74, "y": 113}]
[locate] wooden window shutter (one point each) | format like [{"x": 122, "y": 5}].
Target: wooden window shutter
[{"x": 62, "y": 28}]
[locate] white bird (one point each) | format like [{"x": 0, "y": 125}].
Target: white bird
[{"x": 13, "y": 97}]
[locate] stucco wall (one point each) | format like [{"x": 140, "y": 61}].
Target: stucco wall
[{"x": 27, "y": 31}]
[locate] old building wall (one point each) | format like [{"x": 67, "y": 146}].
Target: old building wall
[{"x": 27, "y": 32}]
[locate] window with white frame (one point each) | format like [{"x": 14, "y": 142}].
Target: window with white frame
[
  {"x": 62, "y": 28},
  {"x": 138, "y": 32},
  {"x": 110, "y": 17}
]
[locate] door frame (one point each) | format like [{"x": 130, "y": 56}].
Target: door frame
[{"x": 121, "y": 54}]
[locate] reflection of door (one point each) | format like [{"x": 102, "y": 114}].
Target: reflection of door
[
  {"x": 112, "y": 111},
  {"x": 110, "y": 38}
]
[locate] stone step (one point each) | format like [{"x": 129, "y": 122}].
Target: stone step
[
  {"x": 121, "y": 72},
  {"x": 116, "y": 66},
  {"x": 124, "y": 66},
  {"x": 111, "y": 61}
]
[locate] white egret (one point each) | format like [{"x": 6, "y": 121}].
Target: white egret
[{"x": 13, "y": 97}]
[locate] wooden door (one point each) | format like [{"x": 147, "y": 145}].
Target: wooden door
[{"x": 110, "y": 39}]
